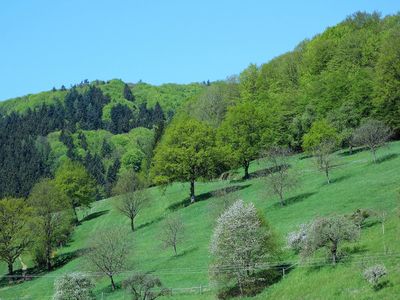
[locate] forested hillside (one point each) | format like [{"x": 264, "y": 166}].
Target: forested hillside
[
  {"x": 101, "y": 124},
  {"x": 290, "y": 166}
]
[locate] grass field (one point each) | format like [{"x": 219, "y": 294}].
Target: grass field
[{"x": 357, "y": 183}]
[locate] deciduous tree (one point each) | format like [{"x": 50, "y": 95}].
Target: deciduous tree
[
  {"x": 108, "y": 252},
  {"x": 373, "y": 134},
  {"x": 244, "y": 131},
  {"x": 15, "y": 236},
  {"x": 280, "y": 179},
  {"x": 132, "y": 196},
  {"x": 321, "y": 141},
  {"x": 186, "y": 153},
  {"x": 172, "y": 232},
  {"x": 329, "y": 233},
  {"x": 72, "y": 178},
  {"x": 241, "y": 242},
  {"x": 52, "y": 217}
]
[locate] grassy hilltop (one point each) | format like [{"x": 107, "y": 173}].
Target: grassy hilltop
[{"x": 357, "y": 183}]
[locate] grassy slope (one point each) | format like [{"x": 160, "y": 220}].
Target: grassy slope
[{"x": 358, "y": 184}]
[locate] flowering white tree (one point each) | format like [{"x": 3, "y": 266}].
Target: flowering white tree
[
  {"x": 241, "y": 244},
  {"x": 73, "y": 286},
  {"x": 329, "y": 232}
]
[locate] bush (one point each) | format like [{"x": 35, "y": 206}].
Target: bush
[
  {"x": 73, "y": 286},
  {"x": 374, "y": 274}
]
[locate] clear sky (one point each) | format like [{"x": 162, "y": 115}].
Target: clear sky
[{"x": 46, "y": 43}]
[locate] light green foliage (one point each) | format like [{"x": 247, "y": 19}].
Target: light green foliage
[
  {"x": 387, "y": 87},
  {"x": 320, "y": 132},
  {"x": 186, "y": 153},
  {"x": 170, "y": 96},
  {"x": 246, "y": 129},
  {"x": 52, "y": 220},
  {"x": 137, "y": 143},
  {"x": 15, "y": 236},
  {"x": 212, "y": 104},
  {"x": 31, "y": 101},
  {"x": 73, "y": 179}
]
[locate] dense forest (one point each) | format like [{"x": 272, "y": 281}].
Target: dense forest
[{"x": 101, "y": 125}]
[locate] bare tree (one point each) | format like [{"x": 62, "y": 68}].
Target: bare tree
[
  {"x": 373, "y": 134},
  {"x": 173, "y": 232},
  {"x": 324, "y": 158},
  {"x": 145, "y": 287},
  {"x": 131, "y": 204},
  {"x": 133, "y": 196},
  {"x": 108, "y": 252},
  {"x": 280, "y": 179}
]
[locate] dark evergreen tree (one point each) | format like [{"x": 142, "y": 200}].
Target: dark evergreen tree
[
  {"x": 112, "y": 175},
  {"x": 106, "y": 150},
  {"x": 121, "y": 119},
  {"x": 128, "y": 93}
]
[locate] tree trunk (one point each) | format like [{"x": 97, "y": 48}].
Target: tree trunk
[
  {"x": 192, "y": 196},
  {"x": 334, "y": 253},
  {"x": 374, "y": 154},
  {"x": 10, "y": 268},
  {"x": 132, "y": 225},
  {"x": 75, "y": 214},
  {"x": 48, "y": 258},
  {"x": 175, "y": 250},
  {"x": 112, "y": 283},
  {"x": 246, "y": 166},
  {"x": 282, "y": 199},
  {"x": 327, "y": 175}
]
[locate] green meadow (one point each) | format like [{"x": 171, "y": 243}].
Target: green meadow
[{"x": 356, "y": 183}]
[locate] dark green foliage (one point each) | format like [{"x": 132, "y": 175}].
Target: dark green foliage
[
  {"x": 112, "y": 175},
  {"x": 84, "y": 110},
  {"x": 121, "y": 119},
  {"x": 94, "y": 166},
  {"x": 128, "y": 93},
  {"x": 106, "y": 150}
]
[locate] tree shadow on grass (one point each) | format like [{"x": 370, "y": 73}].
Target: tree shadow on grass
[
  {"x": 205, "y": 196},
  {"x": 295, "y": 199},
  {"x": 94, "y": 215},
  {"x": 33, "y": 273},
  {"x": 260, "y": 281},
  {"x": 260, "y": 173},
  {"x": 143, "y": 225},
  {"x": 353, "y": 151},
  {"x": 387, "y": 157},
  {"x": 382, "y": 285},
  {"x": 336, "y": 180},
  {"x": 185, "y": 252},
  {"x": 355, "y": 249}
]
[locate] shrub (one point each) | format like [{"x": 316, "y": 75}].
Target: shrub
[{"x": 374, "y": 274}]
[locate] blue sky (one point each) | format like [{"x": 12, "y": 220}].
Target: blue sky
[{"x": 46, "y": 43}]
